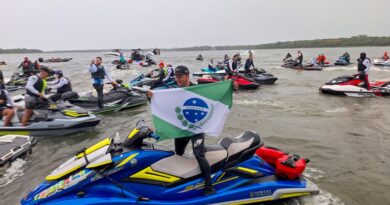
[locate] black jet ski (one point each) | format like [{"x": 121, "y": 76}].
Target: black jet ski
[
  {"x": 18, "y": 79},
  {"x": 117, "y": 99},
  {"x": 137, "y": 55},
  {"x": 3, "y": 63},
  {"x": 14, "y": 146},
  {"x": 51, "y": 119},
  {"x": 199, "y": 58},
  {"x": 260, "y": 76},
  {"x": 54, "y": 60},
  {"x": 307, "y": 66}
]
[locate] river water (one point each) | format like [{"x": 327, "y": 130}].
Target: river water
[{"x": 347, "y": 139}]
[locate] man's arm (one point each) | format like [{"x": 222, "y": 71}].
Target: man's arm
[
  {"x": 108, "y": 75},
  {"x": 92, "y": 68},
  {"x": 62, "y": 82}
]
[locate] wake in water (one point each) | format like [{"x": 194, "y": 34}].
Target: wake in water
[
  {"x": 337, "y": 110},
  {"x": 265, "y": 102},
  {"x": 13, "y": 172}
]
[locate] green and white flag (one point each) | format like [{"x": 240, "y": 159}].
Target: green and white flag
[{"x": 183, "y": 112}]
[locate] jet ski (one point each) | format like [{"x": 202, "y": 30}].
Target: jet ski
[
  {"x": 342, "y": 62},
  {"x": 138, "y": 172},
  {"x": 116, "y": 99},
  {"x": 137, "y": 55},
  {"x": 262, "y": 79},
  {"x": 141, "y": 80},
  {"x": 52, "y": 119},
  {"x": 14, "y": 146},
  {"x": 381, "y": 62},
  {"x": 115, "y": 52},
  {"x": 18, "y": 79},
  {"x": 352, "y": 86},
  {"x": 3, "y": 63},
  {"x": 54, "y": 60},
  {"x": 199, "y": 58},
  {"x": 243, "y": 83},
  {"x": 306, "y": 66}
]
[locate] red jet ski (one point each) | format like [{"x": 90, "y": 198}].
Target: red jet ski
[
  {"x": 352, "y": 86},
  {"x": 242, "y": 82}
]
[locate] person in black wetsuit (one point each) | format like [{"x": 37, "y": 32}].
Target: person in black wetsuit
[{"x": 182, "y": 76}]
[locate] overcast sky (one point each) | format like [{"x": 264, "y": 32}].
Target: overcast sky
[{"x": 99, "y": 24}]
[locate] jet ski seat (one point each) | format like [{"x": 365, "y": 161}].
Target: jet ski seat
[
  {"x": 36, "y": 116},
  {"x": 224, "y": 155}
]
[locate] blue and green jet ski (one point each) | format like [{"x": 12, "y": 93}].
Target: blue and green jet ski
[{"x": 138, "y": 172}]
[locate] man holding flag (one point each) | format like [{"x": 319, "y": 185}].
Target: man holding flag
[{"x": 204, "y": 111}]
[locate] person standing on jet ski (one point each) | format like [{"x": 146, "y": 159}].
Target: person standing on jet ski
[
  {"x": 35, "y": 93},
  {"x": 98, "y": 74},
  {"x": 62, "y": 85},
  {"x": 182, "y": 76},
  {"x": 299, "y": 59},
  {"x": 249, "y": 63},
  {"x": 364, "y": 65},
  {"x": 26, "y": 66},
  {"x": 6, "y": 107}
]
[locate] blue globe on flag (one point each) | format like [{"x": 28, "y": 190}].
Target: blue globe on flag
[{"x": 195, "y": 110}]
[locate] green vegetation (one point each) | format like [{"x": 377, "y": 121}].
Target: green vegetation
[
  {"x": 20, "y": 50},
  {"x": 355, "y": 41}
]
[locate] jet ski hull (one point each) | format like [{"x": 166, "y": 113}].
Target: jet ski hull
[
  {"x": 14, "y": 146},
  {"x": 112, "y": 102},
  {"x": 354, "y": 91},
  {"x": 243, "y": 84},
  {"x": 57, "y": 127},
  {"x": 382, "y": 62}
]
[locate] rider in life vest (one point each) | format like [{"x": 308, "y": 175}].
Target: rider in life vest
[
  {"x": 35, "y": 93},
  {"x": 26, "y": 66},
  {"x": 364, "y": 65},
  {"x": 62, "y": 85},
  {"x": 98, "y": 74},
  {"x": 169, "y": 74},
  {"x": 6, "y": 107},
  {"x": 299, "y": 59}
]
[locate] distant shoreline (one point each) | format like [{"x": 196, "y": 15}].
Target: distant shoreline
[{"x": 354, "y": 41}]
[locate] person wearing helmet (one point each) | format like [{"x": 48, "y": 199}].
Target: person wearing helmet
[
  {"x": 98, "y": 74},
  {"x": 364, "y": 65},
  {"x": 26, "y": 66},
  {"x": 385, "y": 56},
  {"x": 35, "y": 93},
  {"x": 62, "y": 86}
]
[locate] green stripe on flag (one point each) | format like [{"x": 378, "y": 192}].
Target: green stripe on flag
[
  {"x": 168, "y": 131},
  {"x": 220, "y": 91}
]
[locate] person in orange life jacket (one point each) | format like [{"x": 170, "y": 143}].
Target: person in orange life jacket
[
  {"x": 62, "y": 86},
  {"x": 35, "y": 89},
  {"x": 6, "y": 107},
  {"x": 182, "y": 76},
  {"x": 98, "y": 74},
  {"x": 26, "y": 66},
  {"x": 364, "y": 65},
  {"x": 385, "y": 56}
]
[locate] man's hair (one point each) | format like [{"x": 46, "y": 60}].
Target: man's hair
[{"x": 100, "y": 58}]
